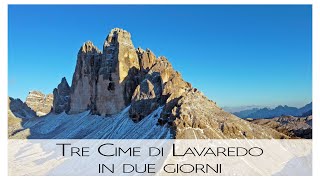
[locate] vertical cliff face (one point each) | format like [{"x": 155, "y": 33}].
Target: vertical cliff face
[
  {"x": 117, "y": 75},
  {"x": 104, "y": 82},
  {"x": 83, "y": 87},
  {"x": 61, "y": 94}
]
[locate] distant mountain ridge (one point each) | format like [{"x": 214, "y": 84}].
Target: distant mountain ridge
[
  {"x": 233, "y": 109},
  {"x": 258, "y": 113}
]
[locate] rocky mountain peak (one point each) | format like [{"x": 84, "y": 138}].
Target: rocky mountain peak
[
  {"x": 89, "y": 48},
  {"x": 64, "y": 82},
  {"x": 118, "y": 36},
  {"x": 39, "y": 102},
  {"x": 61, "y": 101},
  {"x": 104, "y": 83}
]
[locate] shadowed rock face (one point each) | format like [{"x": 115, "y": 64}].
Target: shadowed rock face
[
  {"x": 39, "y": 102},
  {"x": 83, "y": 86},
  {"x": 61, "y": 101},
  {"x": 146, "y": 98},
  {"x": 17, "y": 112},
  {"x": 20, "y": 109}
]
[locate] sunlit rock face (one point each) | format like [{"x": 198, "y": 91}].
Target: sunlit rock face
[
  {"x": 118, "y": 73},
  {"x": 39, "y": 102}
]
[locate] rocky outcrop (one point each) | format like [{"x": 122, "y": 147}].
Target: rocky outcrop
[
  {"x": 39, "y": 102},
  {"x": 17, "y": 112},
  {"x": 166, "y": 85},
  {"x": 193, "y": 116},
  {"x": 146, "y": 59},
  {"x": 61, "y": 94},
  {"x": 20, "y": 109},
  {"x": 146, "y": 98}
]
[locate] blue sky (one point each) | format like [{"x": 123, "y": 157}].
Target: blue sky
[{"x": 236, "y": 55}]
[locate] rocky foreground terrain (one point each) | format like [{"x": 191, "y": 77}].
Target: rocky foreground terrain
[
  {"x": 295, "y": 127},
  {"x": 127, "y": 92}
]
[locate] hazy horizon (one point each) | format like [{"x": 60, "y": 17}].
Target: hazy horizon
[{"x": 236, "y": 55}]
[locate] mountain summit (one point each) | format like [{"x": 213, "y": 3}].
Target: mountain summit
[
  {"x": 103, "y": 82},
  {"x": 124, "y": 92}
]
